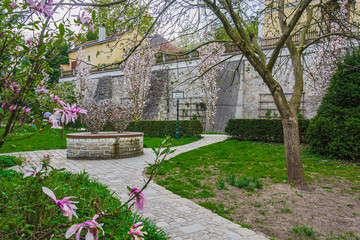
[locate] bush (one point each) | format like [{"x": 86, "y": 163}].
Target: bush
[
  {"x": 266, "y": 130},
  {"x": 29, "y": 213},
  {"x": 187, "y": 128},
  {"x": 335, "y": 130},
  {"x": 7, "y": 161}
]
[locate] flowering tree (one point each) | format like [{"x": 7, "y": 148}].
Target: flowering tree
[
  {"x": 330, "y": 50},
  {"x": 23, "y": 65},
  {"x": 209, "y": 68},
  {"x": 137, "y": 73}
]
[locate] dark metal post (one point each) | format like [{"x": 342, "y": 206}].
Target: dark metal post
[{"x": 177, "y": 119}]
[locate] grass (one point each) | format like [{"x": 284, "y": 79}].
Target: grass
[
  {"x": 304, "y": 230},
  {"x": 51, "y": 139},
  {"x": 156, "y": 141},
  {"x": 29, "y": 212},
  {"x": 244, "y": 164},
  {"x": 236, "y": 173}
]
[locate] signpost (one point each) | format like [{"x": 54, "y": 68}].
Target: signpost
[{"x": 177, "y": 95}]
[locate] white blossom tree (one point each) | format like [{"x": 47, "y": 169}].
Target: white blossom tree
[
  {"x": 209, "y": 69},
  {"x": 137, "y": 74}
]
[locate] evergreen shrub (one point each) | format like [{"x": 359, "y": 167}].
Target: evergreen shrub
[{"x": 335, "y": 130}]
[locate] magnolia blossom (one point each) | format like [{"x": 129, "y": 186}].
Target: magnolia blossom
[
  {"x": 69, "y": 113},
  {"x": 2, "y": 105},
  {"x": 57, "y": 100},
  {"x": 41, "y": 7},
  {"x": 141, "y": 200},
  {"x": 331, "y": 50},
  {"x": 33, "y": 172},
  {"x": 15, "y": 87},
  {"x": 66, "y": 206},
  {"x": 85, "y": 20},
  {"x": 136, "y": 232},
  {"x": 13, "y": 107},
  {"x": 137, "y": 74},
  {"x": 26, "y": 110},
  {"x": 12, "y": 5},
  {"x": 92, "y": 229}
]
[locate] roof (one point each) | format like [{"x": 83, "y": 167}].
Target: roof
[
  {"x": 164, "y": 45},
  {"x": 157, "y": 41},
  {"x": 96, "y": 41}
]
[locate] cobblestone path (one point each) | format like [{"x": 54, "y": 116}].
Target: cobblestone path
[{"x": 179, "y": 217}]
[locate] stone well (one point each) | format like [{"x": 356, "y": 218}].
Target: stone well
[{"x": 104, "y": 145}]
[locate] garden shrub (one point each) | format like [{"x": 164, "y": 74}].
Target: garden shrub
[
  {"x": 266, "y": 130},
  {"x": 187, "y": 128},
  {"x": 335, "y": 130},
  {"x": 7, "y": 161},
  {"x": 27, "y": 213}
]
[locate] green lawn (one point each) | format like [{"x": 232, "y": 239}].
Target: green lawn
[
  {"x": 51, "y": 139},
  {"x": 155, "y": 142},
  {"x": 246, "y": 182},
  {"x": 187, "y": 173}
]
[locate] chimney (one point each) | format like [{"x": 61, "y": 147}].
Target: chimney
[{"x": 102, "y": 32}]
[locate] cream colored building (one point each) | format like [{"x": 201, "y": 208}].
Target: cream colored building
[
  {"x": 102, "y": 51},
  {"x": 272, "y": 30}
]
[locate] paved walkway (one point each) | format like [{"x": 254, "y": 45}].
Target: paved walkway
[{"x": 179, "y": 217}]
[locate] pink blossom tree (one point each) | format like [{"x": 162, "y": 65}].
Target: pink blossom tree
[
  {"x": 137, "y": 74},
  {"x": 330, "y": 50},
  {"x": 209, "y": 69}
]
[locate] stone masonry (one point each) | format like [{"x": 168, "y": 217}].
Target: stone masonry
[{"x": 104, "y": 148}]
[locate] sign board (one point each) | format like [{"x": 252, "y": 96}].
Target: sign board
[{"x": 178, "y": 95}]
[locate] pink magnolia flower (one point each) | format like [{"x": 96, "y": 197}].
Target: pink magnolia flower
[
  {"x": 57, "y": 100},
  {"x": 84, "y": 19},
  {"x": 136, "y": 232},
  {"x": 21, "y": 119},
  {"x": 66, "y": 206},
  {"x": 33, "y": 121},
  {"x": 53, "y": 120},
  {"x": 141, "y": 200},
  {"x": 15, "y": 87},
  {"x": 32, "y": 4},
  {"x": 31, "y": 171},
  {"x": 12, "y": 5},
  {"x": 92, "y": 229},
  {"x": 41, "y": 87},
  {"x": 2, "y": 105},
  {"x": 29, "y": 41},
  {"x": 26, "y": 110},
  {"x": 12, "y": 107},
  {"x": 91, "y": 28}
]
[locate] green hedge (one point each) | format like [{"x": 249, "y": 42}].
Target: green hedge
[
  {"x": 187, "y": 128},
  {"x": 266, "y": 130}
]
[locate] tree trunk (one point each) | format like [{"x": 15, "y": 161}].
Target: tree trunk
[{"x": 294, "y": 164}]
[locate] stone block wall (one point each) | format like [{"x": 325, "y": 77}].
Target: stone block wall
[{"x": 104, "y": 148}]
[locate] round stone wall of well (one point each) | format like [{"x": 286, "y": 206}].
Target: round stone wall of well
[{"x": 104, "y": 145}]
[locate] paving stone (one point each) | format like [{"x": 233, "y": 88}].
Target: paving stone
[{"x": 179, "y": 217}]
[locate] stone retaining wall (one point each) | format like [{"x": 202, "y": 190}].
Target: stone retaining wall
[{"x": 104, "y": 148}]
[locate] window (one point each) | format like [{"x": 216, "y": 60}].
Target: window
[{"x": 89, "y": 58}]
